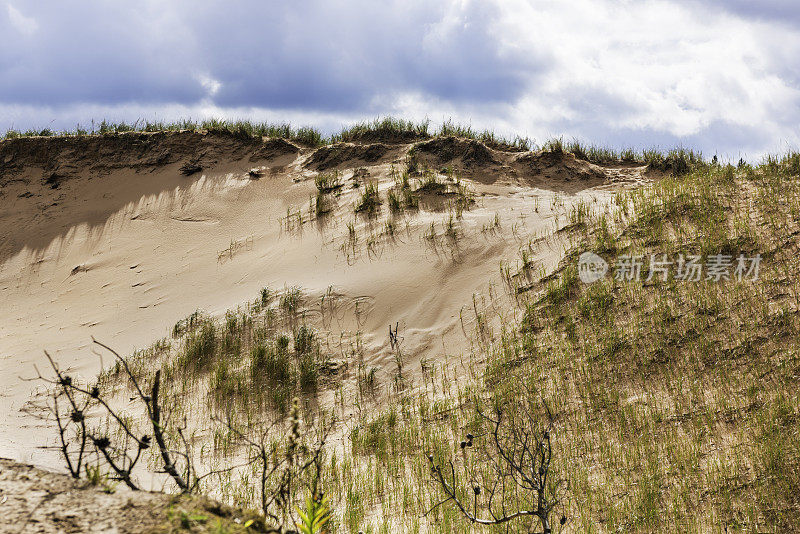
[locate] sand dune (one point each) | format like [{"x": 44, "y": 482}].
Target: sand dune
[{"x": 121, "y": 247}]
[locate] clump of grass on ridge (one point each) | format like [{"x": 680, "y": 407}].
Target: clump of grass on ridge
[
  {"x": 241, "y": 129},
  {"x": 386, "y": 128},
  {"x": 488, "y": 137},
  {"x": 676, "y": 161}
]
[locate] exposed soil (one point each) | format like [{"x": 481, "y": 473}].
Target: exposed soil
[
  {"x": 34, "y": 500},
  {"x": 276, "y": 150},
  {"x": 537, "y": 168},
  {"x": 468, "y": 156},
  {"x": 101, "y": 154},
  {"x": 348, "y": 155}
]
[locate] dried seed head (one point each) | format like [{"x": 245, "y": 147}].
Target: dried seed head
[
  {"x": 563, "y": 519},
  {"x": 477, "y": 490},
  {"x": 95, "y": 393},
  {"x": 463, "y": 444},
  {"x": 76, "y": 416},
  {"x": 102, "y": 443}
]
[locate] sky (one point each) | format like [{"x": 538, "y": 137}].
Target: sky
[{"x": 721, "y": 76}]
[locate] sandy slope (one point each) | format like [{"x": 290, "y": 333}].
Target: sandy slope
[{"x": 123, "y": 253}]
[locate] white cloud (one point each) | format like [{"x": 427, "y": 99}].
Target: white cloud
[
  {"x": 211, "y": 85},
  {"x": 674, "y": 71},
  {"x": 23, "y": 24}
]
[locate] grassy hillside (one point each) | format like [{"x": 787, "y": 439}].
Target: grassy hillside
[{"x": 676, "y": 402}]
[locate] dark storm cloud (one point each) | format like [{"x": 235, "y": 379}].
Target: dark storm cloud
[
  {"x": 313, "y": 55},
  {"x": 94, "y": 53}
]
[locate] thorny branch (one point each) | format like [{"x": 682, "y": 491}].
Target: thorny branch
[
  {"x": 279, "y": 473},
  {"x": 82, "y": 399},
  {"x": 519, "y": 456}
]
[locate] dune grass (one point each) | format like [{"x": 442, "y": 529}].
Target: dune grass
[
  {"x": 370, "y": 200},
  {"x": 257, "y": 357},
  {"x": 238, "y": 128},
  {"x": 676, "y": 161}
]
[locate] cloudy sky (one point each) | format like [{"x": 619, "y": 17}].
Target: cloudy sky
[{"x": 719, "y": 75}]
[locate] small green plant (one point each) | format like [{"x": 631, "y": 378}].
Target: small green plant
[
  {"x": 370, "y": 199},
  {"x": 94, "y": 475},
  {"x": 328, "y": 182},
  {"x": 430, "y": 234},
  {"x": 451, "y": 230},
  {"x": 395, "y": 203},
  {"x": 390, "y": 227},
  {"x": 410, "y": 200},
  {"x": 315, "y": 515},
  {"x": 200, "y": 345},
  {"x": 291, "y": 300},
  {"x": 266, "y": 296},
  {"x": 186, "y": 520},
  {"x": 97, "y": 478}
]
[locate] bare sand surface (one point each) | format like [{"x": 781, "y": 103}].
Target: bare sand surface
[{"x": 124, "y": 255}]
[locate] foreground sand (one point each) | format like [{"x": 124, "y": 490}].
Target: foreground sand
[{"x": 33, "y": 500}]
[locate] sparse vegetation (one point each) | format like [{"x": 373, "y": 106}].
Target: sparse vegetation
[
  {"x": 370, "y": 199},
  {"x": 328, "y": 182}
]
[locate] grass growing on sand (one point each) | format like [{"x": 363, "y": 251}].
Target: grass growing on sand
[
  {"x": 370, "y": 199},
  {"x": 264, "y": 343},
  {"x": 679, "y": 399},
  {"x": 328, "y": 182},
  {"x": 386, "y": 129},
  {"x": 239, "y": 128}
]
